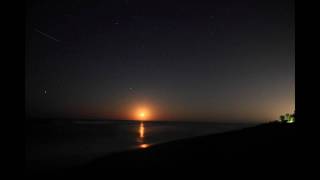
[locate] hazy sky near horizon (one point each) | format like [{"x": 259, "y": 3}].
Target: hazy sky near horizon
[{"x": 227, "y": 59}]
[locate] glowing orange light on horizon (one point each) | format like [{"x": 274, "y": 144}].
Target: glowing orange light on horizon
[{"x": 142, "y": 114}]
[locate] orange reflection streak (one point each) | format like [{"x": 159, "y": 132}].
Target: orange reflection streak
[
  {"x": 141, "y": 135},
  {"x": 141, "y": 130}
]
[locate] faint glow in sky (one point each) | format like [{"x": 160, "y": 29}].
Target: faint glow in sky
[{"x": 225, "y": 66}]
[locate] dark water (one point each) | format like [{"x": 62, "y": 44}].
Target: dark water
[{"x": 67, "y": 143}]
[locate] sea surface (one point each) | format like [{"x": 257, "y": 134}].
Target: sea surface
[{"x": 65, "y": 143}]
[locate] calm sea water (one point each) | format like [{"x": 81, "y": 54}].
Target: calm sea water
[{"x": 67, "y": 143}]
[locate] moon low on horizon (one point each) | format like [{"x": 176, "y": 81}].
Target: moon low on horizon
[{"x": 216, "y": 61}]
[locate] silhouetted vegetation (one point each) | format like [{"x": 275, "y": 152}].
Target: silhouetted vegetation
[{"x": 287, "y": 118}]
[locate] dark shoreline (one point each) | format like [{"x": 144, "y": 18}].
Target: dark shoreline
[
  {"x": 271, "y": 143},
  {"x": 260, "y": 144}
]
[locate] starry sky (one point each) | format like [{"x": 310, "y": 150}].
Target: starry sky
[{"x": 230, "y": 60}]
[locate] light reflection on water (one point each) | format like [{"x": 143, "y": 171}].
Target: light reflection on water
[
  {"x": 141, "y": 130},
  {"x": 142, "y": 144}
]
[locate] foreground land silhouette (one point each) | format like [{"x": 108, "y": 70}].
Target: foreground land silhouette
[{"x": 271, "y": 144}]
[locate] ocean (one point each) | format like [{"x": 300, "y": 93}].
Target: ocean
[{"x": 66, "y": 143}]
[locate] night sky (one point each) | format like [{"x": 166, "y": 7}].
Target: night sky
[{"x": 223, "y": 60}]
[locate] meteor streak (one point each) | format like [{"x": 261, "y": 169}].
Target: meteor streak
[{"x": 46, "y": 35}]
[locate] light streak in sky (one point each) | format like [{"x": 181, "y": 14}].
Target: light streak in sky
[{"x": 46, "y": 35}]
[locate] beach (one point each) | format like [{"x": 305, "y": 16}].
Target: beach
[
  {"x": 58, "y": 145},
  {"x": 271, "y": 143}
]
